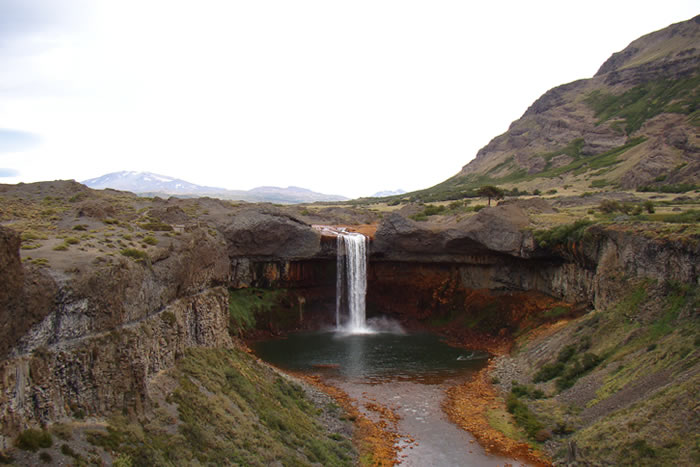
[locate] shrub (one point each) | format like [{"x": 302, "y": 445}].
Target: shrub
[
  {"x": 555, "y": 312},
  {"x": 566, "y": 353},
  {"x": 609, "y": 206},
  {"x": 45, "y": 457},
  {"x": 543, "y": 435},
  {"x": 519, "y": 390},
  {"x": 688, "y": 217},
  {"x": 578, "y": 369},
  {"x": 523, "y": 416},
  {"x": 547, "y": 372},
  {"x": 562, "y": 234},
  {"x": 590, "y": 361},
  {"x": 77, "y": 197},
  {"x": 62, "y": 431},
  {"x": 150, "y": 240},
  {"x": 168, "y": 317},
  {"x": 138, "y": 255},
  {"x": 123, "y": 460},
  {"x": 672, "y": 188},
  {"x": 67, "y": 451},
  {"x": 649, "y": 206},
  {"x": 571, "y": 374},
  {"x": 156, "y": 226},
  {"x": 644, "y": 449},
  {"x": 33, "y": 439},
  {"x": 245, "y": 304},
  {"x": 432, "y": 210}
]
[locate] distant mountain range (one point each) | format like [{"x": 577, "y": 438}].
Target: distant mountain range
[
  {"x": 382, "y": 194},
  {"x": 150, "y": 184}
]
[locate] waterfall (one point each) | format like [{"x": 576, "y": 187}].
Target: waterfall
[{"x": 351, "y": 282}]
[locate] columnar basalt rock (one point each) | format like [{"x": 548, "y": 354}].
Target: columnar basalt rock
[
  {"x": 108, "y": 371},
  {"x": 89, "y": 341}
]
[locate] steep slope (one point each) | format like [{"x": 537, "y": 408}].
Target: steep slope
[{"x": 635, "y": 123}]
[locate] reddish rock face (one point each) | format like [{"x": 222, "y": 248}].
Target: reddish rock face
[{"x": 438, "y": 295}]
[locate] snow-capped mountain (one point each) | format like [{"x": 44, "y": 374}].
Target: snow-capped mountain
[
  {"x": 147, "y": 183},
  {"x": 382, "y": 194}
]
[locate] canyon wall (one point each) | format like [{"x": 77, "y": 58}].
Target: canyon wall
[
  {"x": 86, "y": 343},
  {"x": 422, "y": 270},
  {"x": 88, "y": 340}
]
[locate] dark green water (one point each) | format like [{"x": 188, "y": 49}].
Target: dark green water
[{"x": 372, "y": 357}]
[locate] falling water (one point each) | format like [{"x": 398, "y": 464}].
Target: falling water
[{"x": 351, "y": 282}]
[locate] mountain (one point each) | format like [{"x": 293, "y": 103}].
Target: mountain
[
  {"x": 634, "y": 125},
  {"x": 382, "y": 194},
  {"x": 143, "y": 182},
  {"x": 147, "y": 183}
]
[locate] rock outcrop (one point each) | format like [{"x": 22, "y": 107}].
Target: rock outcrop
[
  {"x": 499, "y": 230},
  {"x": 87, "y": 342},
  {"x": 108, "y": 371},
  {"x": 27, "y": 293},
  {"x": 106, "y": 297},
  {"x": 256, "y": 233},
  {"x": 495, "y": 251}
]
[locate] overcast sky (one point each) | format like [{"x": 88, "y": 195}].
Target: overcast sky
[{"x": 342, "y": 97}]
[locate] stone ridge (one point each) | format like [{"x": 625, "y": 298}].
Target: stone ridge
[{"x": 646, "y": 47}]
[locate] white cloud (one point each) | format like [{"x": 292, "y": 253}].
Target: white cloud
[{"x": 338, "y": 97}]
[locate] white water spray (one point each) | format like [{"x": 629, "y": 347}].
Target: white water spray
[{"x": 351, "y": 283}]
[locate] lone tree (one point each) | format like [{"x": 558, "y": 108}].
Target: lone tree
[{"x": 490, "y": 191}]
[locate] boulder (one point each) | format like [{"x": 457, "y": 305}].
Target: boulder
[
  {"x": 493, "y": 231},
  {"x": 252, "y": 233},
  {"x": 500, "y": 229}
]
